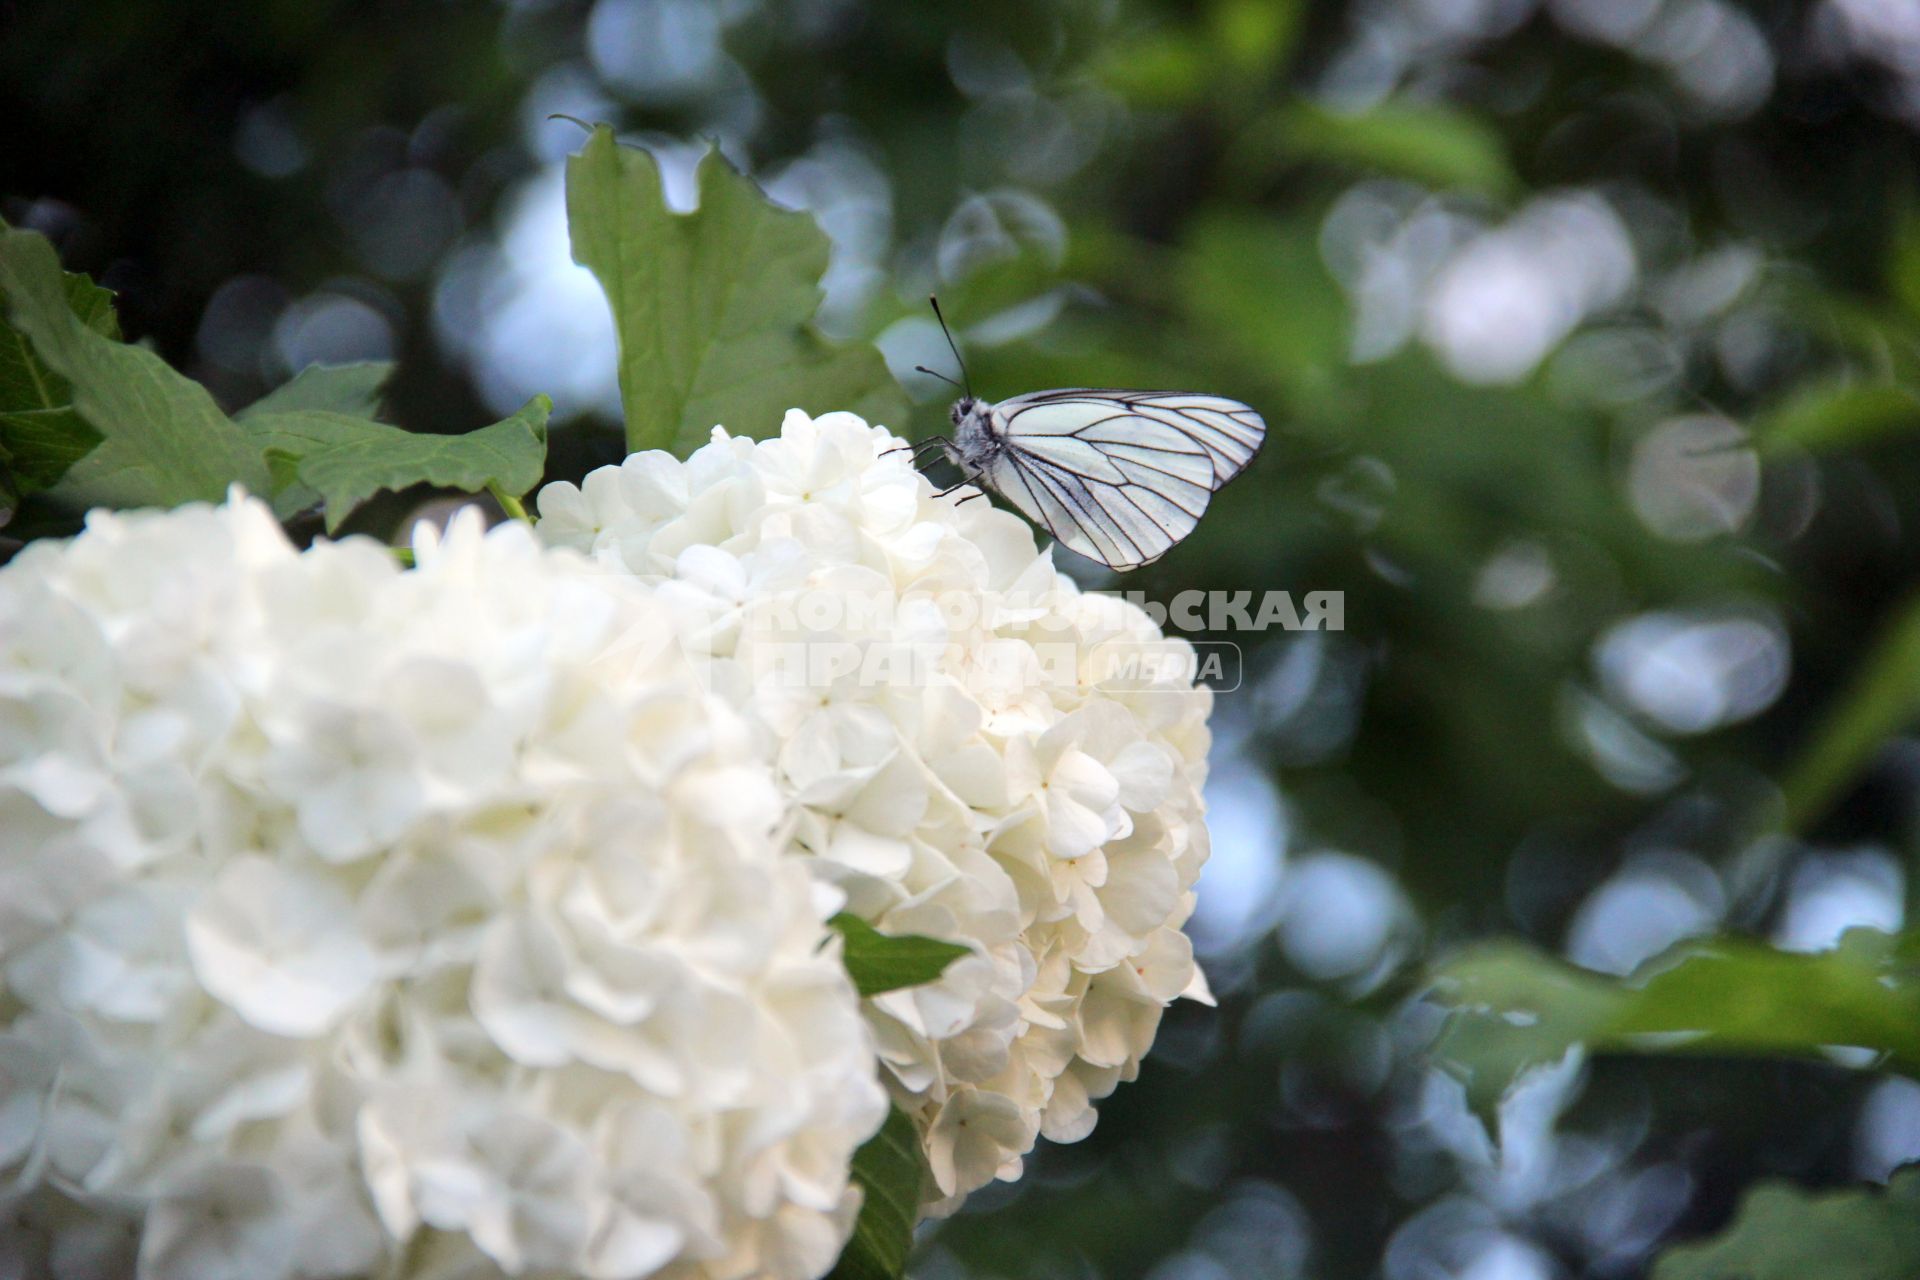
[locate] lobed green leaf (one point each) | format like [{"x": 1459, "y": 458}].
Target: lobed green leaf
[
  {"x": 714, "y": 308},
  {"x": 341, "y": 460},
  {"x": 352, "y": 389},
  {"x": 162, "y": 439},
  {"x": 41, "y": 434}
]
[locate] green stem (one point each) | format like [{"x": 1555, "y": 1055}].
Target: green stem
[
  {"x": 1882, "y": 700},
  {"x": 509, "y": 503},
  {"x": 404, "y": 555}
]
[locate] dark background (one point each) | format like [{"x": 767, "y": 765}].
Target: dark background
[{"x": 1556, "y": 310}]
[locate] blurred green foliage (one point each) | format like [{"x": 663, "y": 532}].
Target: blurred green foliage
[
  {"x": 1589, "y": 336},
  {"x": 1782, "y": 1232},
  {"x": 1517, "y": 1011}
]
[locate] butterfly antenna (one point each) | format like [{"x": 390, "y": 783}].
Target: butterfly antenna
[
  {"x": 920, "y": 368},
  {"x": 954, "y": 347}
]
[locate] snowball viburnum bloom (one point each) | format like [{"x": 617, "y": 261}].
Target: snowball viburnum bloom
[
  {"x": 1007, "y": 792},
  {"x": 357, "y": 920}
]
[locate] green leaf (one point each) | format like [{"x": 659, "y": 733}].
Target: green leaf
[
  {"x": 1230, "y": 271},
  {"x": 1430, "y": 145},
  {"x": 1238, "y": 44},
  {"x": 1255, "y": 35},
  {"x": 885, "y": 962},
  {"x": 92, "y": 305},
  {"x": 343, "y": 460},
  {"x": 713, "y": 308},
  {"x": 1514, "y": 1008},
  {"x": 1161, "y": 69},
  {"x": 1903, "y": 257},
  {"x": 352, "y": 389},
  {"x": 1832, "y": 415},
  {"x": 41, "y": 435},
  {"x": 43, "y": 444},
  {"x": 889, "y": 1169},
  {"x": 1784, "y": 1232},
  {"x": 24, "y": 379},
  {"x": 1882, "y": 700},
  {"x": 163, "y": 439}
]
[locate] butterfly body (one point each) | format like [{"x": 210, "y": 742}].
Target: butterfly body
[
  {"x": 1118, "y": 476},
  {"x": 975, "y": 442}
]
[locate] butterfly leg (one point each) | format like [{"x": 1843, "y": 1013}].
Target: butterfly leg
[
  {"x": 938, "y": 444},
  {"x": 917, "y": 448}
]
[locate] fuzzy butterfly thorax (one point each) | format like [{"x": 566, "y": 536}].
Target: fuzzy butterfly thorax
[{"x": 974, "y": 440}]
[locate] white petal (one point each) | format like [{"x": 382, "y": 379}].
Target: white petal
[
  {"x": 222, "y": 1221},
  {"x": 280, "y": 947}
]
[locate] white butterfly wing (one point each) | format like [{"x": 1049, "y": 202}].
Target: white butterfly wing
[
  {"x": 1120, "y": 476},
  {"x": 1230, "y": 432},
  {"x": 1103, "y": 522}
]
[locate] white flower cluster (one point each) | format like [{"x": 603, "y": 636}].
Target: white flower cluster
[
  {"x": 1013, "y": 793},
  {"x": 359, "y": 921}
]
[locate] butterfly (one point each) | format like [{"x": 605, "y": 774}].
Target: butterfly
[{"x": 1118, "y": 476}]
